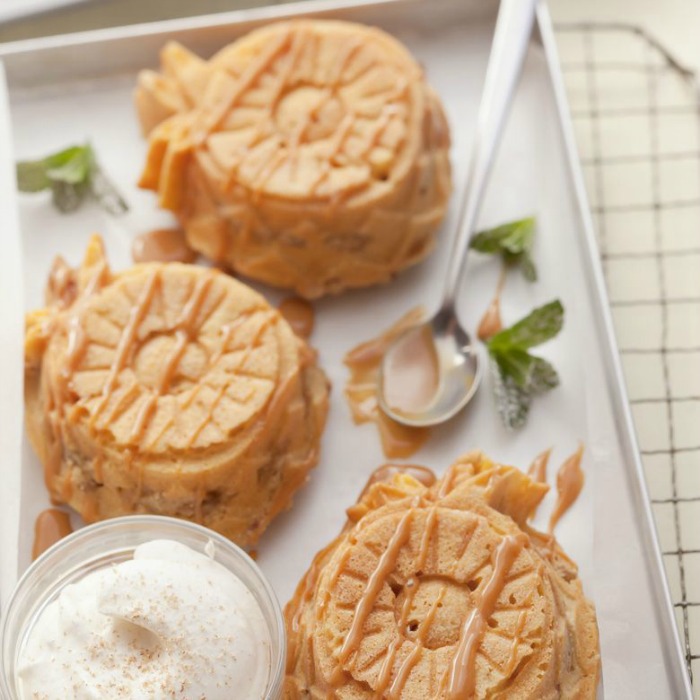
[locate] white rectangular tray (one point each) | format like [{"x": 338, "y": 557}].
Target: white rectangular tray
[{"x": 66, "y": 90}]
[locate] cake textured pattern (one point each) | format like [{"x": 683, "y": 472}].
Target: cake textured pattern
[
  {"x": 443, "y": 591},
  {"x": 311, "y": 155},
  {"x": 170, "y": 389}
]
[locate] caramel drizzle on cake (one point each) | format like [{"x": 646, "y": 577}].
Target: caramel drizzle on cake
[
  {"x": 409, "y": 662},
  {"x": 386, "y": 565},
  {"x": 441, "y": 589},
  {"x": 184, "y": 330},
  {"x": 309, "y": 154},
  {"x": 459, "y": 678},
  {"x": 126, "y": 339},
  {"x": 459, "y": 681},
  {"x": 171, "y": 389}
]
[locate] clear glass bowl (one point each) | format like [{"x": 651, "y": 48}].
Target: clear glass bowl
[{"x": 113, "y": 541}]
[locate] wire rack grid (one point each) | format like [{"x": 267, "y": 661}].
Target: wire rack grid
[{"x": 636, "y": 112}]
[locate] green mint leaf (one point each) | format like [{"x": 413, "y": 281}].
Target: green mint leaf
[
  {"x": 67, "y": 197},
  {"x": 519, "y": 236},
  {"x": 71, "y": 174},
  {"x": 37, "y": 175},
  {"x": 31, "y": 176},
  {"x": 515, "y": 363},
  {"x": 543, "y": 376},
  {"x": 60, "y": 158},
  {"x": 527, "y": 267},
  {"x": 540, "y": 325},
  {"x": 529, "y": 372},
  {"x": 488, "y": 242},
  {"x": 512, "y": 402},
  {"x": 513, "y": 241},
  {"x": 518, "y": 376},
  {"x": 72, "y": 166}
]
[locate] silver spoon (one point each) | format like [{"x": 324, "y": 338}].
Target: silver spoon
[{"x": 454, "y": 358}]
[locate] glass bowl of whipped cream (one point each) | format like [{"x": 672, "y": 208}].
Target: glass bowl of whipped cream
[{"x": 143, "y": 607}]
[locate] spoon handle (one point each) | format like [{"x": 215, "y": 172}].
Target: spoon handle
[{"x": 510, "y": 41}]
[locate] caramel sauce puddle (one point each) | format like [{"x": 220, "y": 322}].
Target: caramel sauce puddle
[{"x": 361, "y": 390}]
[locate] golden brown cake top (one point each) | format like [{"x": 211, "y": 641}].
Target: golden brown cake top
[
  {"x": 162, "y": 358},
  {"x": 307, "y": 109},
  {"x": 443, "y": 591}
]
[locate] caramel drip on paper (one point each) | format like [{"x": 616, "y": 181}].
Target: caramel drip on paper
[
  {"x": 399, "y": 440},
  {"x": 570, "y": 479},
  {"x": 97, "y": 468},
  {"x": 361, "y": 390},
  {"x": 458, "y": 682},
  {"x": 51, "y": 526},
  {"x": 386, "y": 564},
  {"x": 491, "y": 322},
  {"x": 162, "y": 245},
  {"x": 299, "y": 314},
  {"x": 538, "y": 469}
]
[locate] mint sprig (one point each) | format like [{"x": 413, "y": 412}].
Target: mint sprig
[
  {"x": 72, "y": 175},
  {"x": 519, "y": 376},
  {"x": 513, "y": 242}
]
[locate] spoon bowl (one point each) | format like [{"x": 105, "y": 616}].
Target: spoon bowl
[{"x": 429, "y": 373}]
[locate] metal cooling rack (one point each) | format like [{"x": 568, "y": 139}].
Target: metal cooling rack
[{"x": 636, "y": 112}]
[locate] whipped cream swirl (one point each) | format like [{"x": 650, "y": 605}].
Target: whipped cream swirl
[{"x": 169, "y": 623}]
